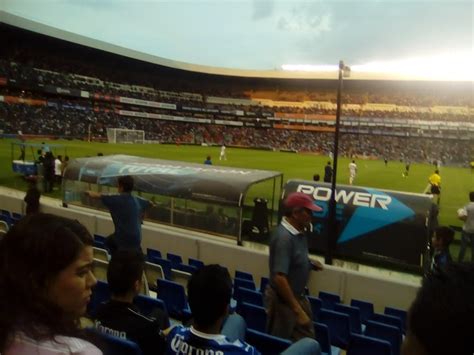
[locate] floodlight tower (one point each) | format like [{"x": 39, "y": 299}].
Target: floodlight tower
[{"x": 344, "y": 72}]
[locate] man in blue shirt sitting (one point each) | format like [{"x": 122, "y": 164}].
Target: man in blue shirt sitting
[
  {"x": 127, "y": 213},
  {"x": 214, "y": 331}
]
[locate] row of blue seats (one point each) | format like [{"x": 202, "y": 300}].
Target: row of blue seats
[
  {"x": 174, "y": 301},
  {"x": 10, "y": 218},
  {"x": 343, "y": 321},
  {"x": 266, "y": 343}
]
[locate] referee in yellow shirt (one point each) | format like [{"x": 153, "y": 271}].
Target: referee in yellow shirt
[{"x": 435, "y": 182}]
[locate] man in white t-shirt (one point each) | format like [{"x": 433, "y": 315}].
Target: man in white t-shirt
[
  {"x": 352, "y": 171},
  {"x": 223, "y": 155},
  {"x": 466, "y": 214},
  {"x": 57, "y": 169}
]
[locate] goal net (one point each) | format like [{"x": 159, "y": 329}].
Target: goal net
[{"x": 123, "y": 135}]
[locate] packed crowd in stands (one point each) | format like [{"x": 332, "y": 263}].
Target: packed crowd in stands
[
  {"x": 103, "y": 69},
  {"x": 25, "y": 73},
  {"x": 32, "y": 62},
  {"x": 78, "y": 123}
]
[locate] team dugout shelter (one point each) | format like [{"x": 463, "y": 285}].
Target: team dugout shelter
[{"x": 209, "y": 198}]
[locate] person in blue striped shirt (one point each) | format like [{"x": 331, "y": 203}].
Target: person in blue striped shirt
[{"x": 214, "y": 331}]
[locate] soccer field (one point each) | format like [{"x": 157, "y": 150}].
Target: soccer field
[{"x": 456, "y": 182}]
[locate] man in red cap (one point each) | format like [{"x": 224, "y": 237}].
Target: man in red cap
[{"x": 288, "y": 309}]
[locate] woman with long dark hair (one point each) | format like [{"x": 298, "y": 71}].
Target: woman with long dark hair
[{"x": 46, "y": 282}]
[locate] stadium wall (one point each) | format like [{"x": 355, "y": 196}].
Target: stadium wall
[{"x": 212, "y": 249}]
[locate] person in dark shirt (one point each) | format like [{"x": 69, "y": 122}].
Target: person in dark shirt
[
  {"x": 32, "y": 198},
  {"x": 214, "y": 331},
  {"x": 442, "y": 238},
  {"x": 119, "y": 316},
  {"x": 440, "y": 318},
  {"x": 48, "y": 172},
  {"x": 328, "y": 172}
]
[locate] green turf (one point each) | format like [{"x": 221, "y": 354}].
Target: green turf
[{"x": 456, "y": 182}]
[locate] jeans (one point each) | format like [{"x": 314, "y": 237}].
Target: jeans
[
  {"x": 234, "y": 328},
  {"x": 466, "y": 238}
]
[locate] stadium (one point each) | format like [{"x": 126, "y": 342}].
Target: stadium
[{"x": 264, "y": 134}]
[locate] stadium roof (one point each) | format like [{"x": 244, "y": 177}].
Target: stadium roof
[
  {"x": 178, "y": 179},
  {"x": 41, "y": 28}
]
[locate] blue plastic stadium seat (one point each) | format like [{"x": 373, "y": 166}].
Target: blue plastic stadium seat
[
  {"x": 316, "y": 305},
  {"x": 6, "y": 213},
  {"x": 174, "y": 297},
  {"x": 364, "y": 345},
  {"x": 263, "y": 284},
  {"x": 385, "y": 332},
  {"x": 339, "y": 325},
  {"x": 400, "y": 313},
  {"x": 329, "y": 299},
  {"x": 99, "y": 238},
  {"x": 386, "y": 319},
  {"x": 175, "y": 259},
  {"x": 243, "y": 294},
  {"x": 186, "y": 268},
  {"x": 265, "y": 343},
  {"x": 366, "y": 309},
  {"x": 243, "y": 283},
  {"x": 152, "y": 253},
  {"x": 195, "y": 262},
  {"x": 323, "y": 338},
  {"x": 243, "y": 275},
  {"x": 17, "y": 216},
  {"x": 255, "y": 316},
  {"x": 100, "y": 294},
  {"x": 99, "y": 244},
  {"x": 354, "y": 315},
  {"x": 112, "y": 345},
  {"x": 165, "y": 265},
  {"x": 7, "y": 219},
  {"x": 147, "y": 305}
]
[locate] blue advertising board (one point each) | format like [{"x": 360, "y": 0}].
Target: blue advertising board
[{"x": 373, "y": 225}]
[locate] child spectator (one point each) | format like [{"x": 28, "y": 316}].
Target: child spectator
[
  {"x": 442, "y": 238},
  {"x": 208, "y": 160}
]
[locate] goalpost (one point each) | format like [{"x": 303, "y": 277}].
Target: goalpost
[{"x": 123, "y": 135}]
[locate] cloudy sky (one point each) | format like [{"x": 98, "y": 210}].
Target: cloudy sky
[{"x": 261, "y": 34}]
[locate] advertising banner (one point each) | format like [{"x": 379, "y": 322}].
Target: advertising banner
[
  {"x": 133, "y": 101},
  {"x": 62, "y": 91},
  {"x": 158, "y": 116},
  {"x": 376, "y": 226},
  {"x": 299, "y": 127}
]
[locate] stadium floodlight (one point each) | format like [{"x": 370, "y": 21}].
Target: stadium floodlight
[{"x": 344, "y": 72}]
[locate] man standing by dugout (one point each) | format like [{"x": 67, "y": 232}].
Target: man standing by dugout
[
  {"x": 288, "y": 309},
  {"x": 127, "y": 212}
]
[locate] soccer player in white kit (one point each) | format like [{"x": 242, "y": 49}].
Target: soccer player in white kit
[
  {"x": 352, "y": 171},
  {"x": 223, "y": 155}
]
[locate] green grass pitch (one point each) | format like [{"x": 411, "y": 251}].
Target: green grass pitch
[{"x": 456, "y": 182}]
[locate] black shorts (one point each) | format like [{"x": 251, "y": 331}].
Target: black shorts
[{"x": 435, "y": 189}]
